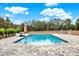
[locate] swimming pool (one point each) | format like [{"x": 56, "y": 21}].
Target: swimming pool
[{"x": 41, "y": 39}]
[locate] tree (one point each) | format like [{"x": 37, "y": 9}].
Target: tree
[
  {"x": 67, "y": 23},
  {"x": 8, "y": 23},
  {"x": 2, "y": 22},
  {"x": 50, "y": 25},
  {"x": 56, "y": 23},
  {"x": 5, "y": 23},
  {"x": 73, "y": 26},
  {"x": 39, "y": 25},
  {"x": 77, "y": 23},
  {"x": 61, "y": 26}
]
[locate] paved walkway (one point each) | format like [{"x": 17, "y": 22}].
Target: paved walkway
[{"x": 9, "y": 48}]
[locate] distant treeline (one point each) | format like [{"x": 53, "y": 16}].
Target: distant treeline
[
  {"x": 53, "y": 24},
  {"x": 36, "y": 25}
]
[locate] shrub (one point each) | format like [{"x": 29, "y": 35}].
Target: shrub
[
  {"x": 17, "y": 30},
  {"x": 9, "y": 31},
  {"x": 2, "y": 31}
]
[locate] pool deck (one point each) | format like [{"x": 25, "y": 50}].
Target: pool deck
[{"x": 9, "y": 48}]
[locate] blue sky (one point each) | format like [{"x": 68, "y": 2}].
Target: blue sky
[{"x": 22, "y": 12}]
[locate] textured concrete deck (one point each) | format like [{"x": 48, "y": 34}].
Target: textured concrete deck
[{"x": 8, "y": 48}]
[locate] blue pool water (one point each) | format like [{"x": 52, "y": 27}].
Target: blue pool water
[{"x": 40, "y": 39}]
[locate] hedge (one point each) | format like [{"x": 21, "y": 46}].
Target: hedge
[{"x": 8, "y": 32}]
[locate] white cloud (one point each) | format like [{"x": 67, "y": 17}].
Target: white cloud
[
  {"x": 26, "y": 13},
  {"x": 56, "y": 12},
  {"x": 8, "y": 15},
  {"x": 75, "y": 19},
  {"x": 51, "y": 4},
  {"x": 45, "y": 19},
  {"x": 16, "y": 10},
  {"x": 17, "y": 21}
]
